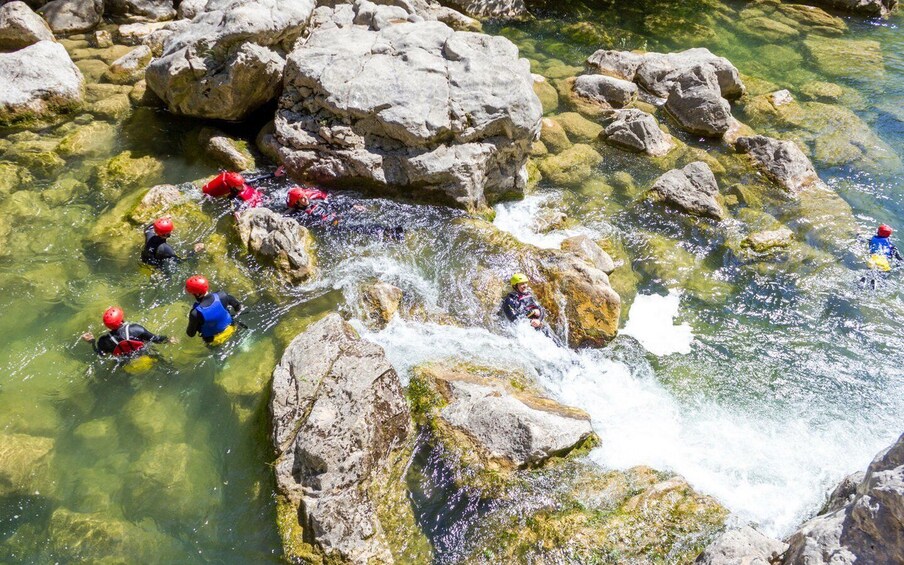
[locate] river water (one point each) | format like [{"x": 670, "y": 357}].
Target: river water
[{"x": 763, "y": 386}]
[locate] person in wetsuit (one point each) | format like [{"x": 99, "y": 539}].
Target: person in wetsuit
[
  {"x": 210, "y": 316},
  {"x": 881, "y": 245},
  {"x": 314, "y": 208},
  {"x": 233, "y": 185},
  {"x": 520, "y": 303},
  {"x": 123, "y": 339},
  {"x": 156, "y": 250}
]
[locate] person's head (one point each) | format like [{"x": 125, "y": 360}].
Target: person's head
[
  {"x": 296, "y": 198},
  {"x": 113, "y": 318},
  {"x": 197, "y": 286},
  {"x": 163, "y": 227},
  {"x": 234, "y": 181},
  {"x": 519, "y": 282},
  {"x": 884, "y": 231}
]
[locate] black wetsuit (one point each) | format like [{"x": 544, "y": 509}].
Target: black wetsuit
[
  {"x": 332, "y": 214},
  {"x": 520, "y": 305},
  {"x": 196, "y": 320},
  {"x": 106, "y": 344},
  {"x": 156, "y": 250}
]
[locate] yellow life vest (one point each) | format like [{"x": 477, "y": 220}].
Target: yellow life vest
[
  {"x": 140, "y": 364},
  {"x": 879, "y": 263},
  {"x": 223, "y": 336}
]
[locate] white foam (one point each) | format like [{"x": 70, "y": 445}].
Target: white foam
[
  {"x": 651, "y": 322},
  {"x": 519, "y": 219},
  {"x": 769, "y": 467}
]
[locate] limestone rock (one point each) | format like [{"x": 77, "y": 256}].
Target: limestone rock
[
  {"x": 635, "y": 130},
  {"x": 338, "y": 416},
  {"x": 501, "y": 9},
  {"x": 578, "y": 128},
  {"x": 766, "y": 240},
  {"x": 129, "y": 68},
  {"x": 25, "y": 463},
  {"x": 692, "y": 189},
  {"x": 445, "y": 114},
  {"x": 227, "y": 152},
  {"x": 229, "y": 60},
  {"x": 381, "y": 302},
  {"x": 101, "y": 39},
  {"x": 881, "y": 8},
  {"x": 142, "y": 10},
  {"x": 609, "y": 91},
  {"x": 125, "y": 172},
  {"x": 744, "y": 546},
  {"x": 77, "y": 537},
  {"x": 20, "y": 27},
  {"x": 188, "y": 9},
  {"x": 781, "y": 161},
  {"x": 135, "y": 34},
  {"x": 553, "y": 136},
  {"x": 495, "y": 425},
  {"x": 280, "y": 240},
  {"x": 870, "y": 529},
  {"x": 38, "y": 81},
  {"x": 696, "y": 104},
  {"x": 68, "y": 16},
  {"x": 571, "y": 166},
  {"x": 588, "y": 249},
  {"x": 846, "y": 57}
]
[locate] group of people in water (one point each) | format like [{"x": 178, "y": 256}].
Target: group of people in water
[{"x": 214, "y": 315}]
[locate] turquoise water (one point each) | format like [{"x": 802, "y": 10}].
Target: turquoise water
[{"x": 794, "y": 378}]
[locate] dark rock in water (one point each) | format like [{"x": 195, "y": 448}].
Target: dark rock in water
[
  {"x": 743, "y": 546},
  {"x": 868, "y": 529},
  {"x": 782, "y": 161},
  {"x": 636, "y": 130},
  {"x": 882, "y": 8},
  {"x": 340, "y": 424},
  {"x": 490, "y": 8},
  {"x": 692, "y": 189},
  {"x": 66, "y": 16},
  {"x": 20, "y": 27},
  {"x": 697, "y": 105}
]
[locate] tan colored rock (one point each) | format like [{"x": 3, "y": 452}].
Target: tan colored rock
[
  {"x": 279, "y": 240},
  {"x": 381, "y": 302}
]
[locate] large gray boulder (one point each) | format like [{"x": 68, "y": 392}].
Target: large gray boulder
[
  {"x": 742, "y": 546},
  {"x": 692, "y": 189},
  {"x": 279, "y": 240},
  {"x": 141, "y": 10},
  {"x": 781, "y": 161},
  {"x": 507, "y": 9},
  {"x": 338, "y": 414},
  {"x": 608, "y": 91},
  {"x": 869, "y": 529},
  {"x": 38, "y": 81},
  {"x": 229, "y": 60},
  {"x": 21, "y": 27},
  {"x": 881, "y": 8},
  {"x": 635, "y": 130},
  {"x": 697, "y": 105},
  {"x": 68, "y": 16},
  {"x": 418, "y": 106}
]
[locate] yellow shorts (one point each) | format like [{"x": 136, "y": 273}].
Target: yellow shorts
[
  {"x": 223, "y": 336},
  {"x": 139, "y": 364},
  {"x": 879, "y": 263}
]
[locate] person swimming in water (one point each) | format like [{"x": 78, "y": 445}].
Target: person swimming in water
[
  {"x": 882, "y": 252},
  {"x": 210, "y": 315},
  {"x": 314, "y": 208},
  {"x": 157, "y": 251}
]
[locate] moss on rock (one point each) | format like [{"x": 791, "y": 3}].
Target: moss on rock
[{"x": 125, "y": 172}]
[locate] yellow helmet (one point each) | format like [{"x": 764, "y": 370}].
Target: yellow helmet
[{"x": 518, "y": 278}]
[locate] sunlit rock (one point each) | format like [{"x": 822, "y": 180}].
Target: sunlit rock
[
  {"x": 846, "y": 57},
  {"x": 578, "y": 128},
  {"x": 692, "y": 189},
  {"x": 882, "y": 8},
  {"x": 38, "y": 81},
  {"x": 636, "y": 130},
  {"x": 129, "y": 68},
  {"x": 279, "y": 240},
  {"x": 781, "y": 161},
  {"x": 20, "y": 27},
  {"x": 230, "y": 153},
  {"x": 91, "y": 140},
  {"x": 553, "y": 136},
  {"x": 571, "y": 166},
  {"x": 585, "y": 247},
  {"x": 124, "y": 172},
  {"x": 380, "y": 301},
  {"x": 549, "y": 97},
  {"x": 767, "y": 240},
  {"x": 66, "y": 17}
]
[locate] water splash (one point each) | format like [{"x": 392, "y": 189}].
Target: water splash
[{"x": 651, "y": 322}]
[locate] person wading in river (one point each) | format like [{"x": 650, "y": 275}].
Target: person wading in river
[
  {"x": 520, "y": 303},
  {"x": 125, "y": 341},
  {"x": 210, "y": 314},
  {"x": 157, "y": 251}
]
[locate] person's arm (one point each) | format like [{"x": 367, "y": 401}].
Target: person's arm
[
  {"x": 230, "y": 301},
  {"x": 896, "y": 254},
  {"x": 194, "y": 323},
  {"x": 508, "y": 308},
  {"x": 535, "y": 306},
  {"x": 139, "y": 332},
  {"x": 164, "y": 251}
]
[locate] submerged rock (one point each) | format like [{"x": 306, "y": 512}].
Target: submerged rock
[
  {"x": 846, "y": 57},
  {"x": 339, "y": 423},
  {"x": 88, "y": 538},
  {"x": 692, "y": 189},
  {"x": 279, "y": 240},
  {"x": 572, "y": 166},
  {"x": 125, "y": 172},
  {"x": 66, "y": 16},
  {"x": 781, "y": 161},
  {"x": 766, "y": 240},
  {"x": 229, "y": 60},
  {"x": 869, "y": 529},
  {"x": 37, "y": 82},
  {"x": 439, "y": 113},
  {"x": 635, "y": 130},
  {"x": 20, "y": 27},
  {"x": 743, "y": 546},
  {"x": 25, "y": 463}
]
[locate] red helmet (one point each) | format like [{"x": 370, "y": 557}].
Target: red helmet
[
  {"x": 234, "y": 180},
  {"x": 884, "y": 231},
  {"x": 113, "y": 317},
  {"x": 296, "y": 193},
  {"x": 196, "y": 285},
  {"x": 163, "y": 226}
]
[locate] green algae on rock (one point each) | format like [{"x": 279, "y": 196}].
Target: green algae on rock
[
  {"x": 124, "y": 172},
  {"x": 570, "y": 167}
]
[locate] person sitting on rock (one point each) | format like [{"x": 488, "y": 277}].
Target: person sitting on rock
[
  {"x": 521, "y": 303},
  {"x": 882, "y": 250},
  {"x": 125, "y": 341},
  {"x": 156, "y": 250},
  {"x": 233, "y": 185},
  {"x": 314, "y": 208},
  {"x": 210, "y": 314}
]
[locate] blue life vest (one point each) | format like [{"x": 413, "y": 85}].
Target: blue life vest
[
  {"x": 881, "y": 246},
  {"x": 216, "y": 317}
]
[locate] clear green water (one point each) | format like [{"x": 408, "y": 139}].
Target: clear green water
[{"x": 172, "y": 465}]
